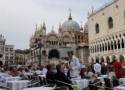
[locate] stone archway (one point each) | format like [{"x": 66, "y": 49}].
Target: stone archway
[
  {"x": 102, "y": 59},
  {"x": 108, "y": 59},
  {"x": 92, "y": 60},
  {"x": 113, "y": 58},
  {"x": 44, "y": 53},
  {"x": 54, "y": 53},
  {"x": 121, "y": 58}
]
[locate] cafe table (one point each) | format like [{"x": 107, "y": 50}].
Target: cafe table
[
  {"x": 39, "y": 88},
  {"x": 119, "y": 87},
  {"x": 122, "y": 80},
  {"x": 17, "y": 85},
  {"x": 83, "y": 83},
  {"x": 5, "y": 80}
]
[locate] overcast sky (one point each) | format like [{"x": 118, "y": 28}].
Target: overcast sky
[{"x": 18, "y": 18}]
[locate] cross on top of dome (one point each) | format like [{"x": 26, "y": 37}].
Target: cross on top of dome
[{"x": 70, "y": 17}]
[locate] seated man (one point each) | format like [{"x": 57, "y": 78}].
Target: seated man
[{"x": 50, "y": 73}]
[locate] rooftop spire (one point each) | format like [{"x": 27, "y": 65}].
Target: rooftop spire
[
  {"x": 81, "y": 26},
  {"x": 59, "y": 25},
  {"x": 43, "y": 23},
  {"x": 36, "y": 27},
  {"x": 70, "y": 17},
  {"x": 52, "y": 27}
]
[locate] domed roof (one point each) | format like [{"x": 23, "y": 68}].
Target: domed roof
[{"x": 70, "y": 25}]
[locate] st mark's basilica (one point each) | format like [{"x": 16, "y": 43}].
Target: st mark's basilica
[{"x": 52, "y": 47}]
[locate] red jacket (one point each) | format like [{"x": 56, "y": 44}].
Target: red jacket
[{"x": 116, "y": 64}]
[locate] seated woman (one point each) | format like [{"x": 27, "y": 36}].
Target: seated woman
[
  {"x": 14, "y": 71},
  {"x": 60, "y": 75},
  {"x": 111, "y": 72},
  {"x": 50, "y": 73},
  {"x": 90, "y": 75}
]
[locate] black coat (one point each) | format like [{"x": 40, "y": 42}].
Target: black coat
[{"x": 62, "y": 77}]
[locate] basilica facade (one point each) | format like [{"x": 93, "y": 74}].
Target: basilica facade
[
  {"x": 107, "y": 32},
  {"x": 52, "y": 47}
]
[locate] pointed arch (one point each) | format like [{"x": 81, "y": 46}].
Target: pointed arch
[
  {"x": 121, "y": 58},
  {"x": 97, "y": 28},
  {"x": 110, "y": 22}
]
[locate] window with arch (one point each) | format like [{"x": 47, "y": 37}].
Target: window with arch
[
  {"x": 122, "y": 43},
  {"x": 97, "y": 28},
  {"x": 110, "y": 22},
  {"x": 115, "y": 44},
  {"x": 118, "y": 44},
  {"x": 111, "y": 45},
  {"x": 105, "y": 46}
]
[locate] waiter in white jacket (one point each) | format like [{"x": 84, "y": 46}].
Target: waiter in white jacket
[{"x": 74, "y": 65}]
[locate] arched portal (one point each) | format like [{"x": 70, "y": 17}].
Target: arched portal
[
  {"x": 1, "y": 56},
  {"x": 102, "y": 59},
  {"x": 107, "y": 59},
  {"x": 54, "y": 53},
  {"x": 92, "y": 60},
  {"x": 121, "y": 58},
  {"x": 113, "y": 58},
  {"x": 44, "y": 53}
]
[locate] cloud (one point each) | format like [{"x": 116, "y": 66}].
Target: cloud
[{"x": 19, "y": 17}]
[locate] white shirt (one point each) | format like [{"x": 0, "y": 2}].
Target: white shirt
[
  {"x": 44, "y": 71},
  {"x": 111, "y": 75},
  {"x": 74, "y": 67},
  {"x": 97, "y": 68}
]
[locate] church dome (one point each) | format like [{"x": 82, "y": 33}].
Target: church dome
[{"x": 70, "y": 25}]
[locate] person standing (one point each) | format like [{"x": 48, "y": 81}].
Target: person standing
[
  {"x": 97, "y": 67},
  {"x": 74, "y": 65}
]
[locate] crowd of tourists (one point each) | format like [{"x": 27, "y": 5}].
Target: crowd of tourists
[{"x": 72, "y": 69}]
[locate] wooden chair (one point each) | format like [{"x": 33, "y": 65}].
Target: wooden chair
[
  {"x": 4, "y": 88},
  {"x": 115, "y": 82},
  {"x": 61, "y": 88},
  {"x": 50, "y": 85},
  {"x": 35, "y": 84},
  {"x": 64, "y": 88},
  {"x": 106, "y": 88},
  {"x": 108, "y": 83},
  {"x": 60, "y": 83},
  {"x": 93, "y": 87},
  {"x": 43, "y": 80}
]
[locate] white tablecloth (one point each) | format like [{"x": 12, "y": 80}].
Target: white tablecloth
[
  {"x": 28, "y": 73},
  {"x": 17, "y": 85},
  {"x": 39, "y": 88},
  {"x": 122, "y": 80},
  {"x": 102, "y": 76},
  {"x": 42, "y": 76},
  {"x": 3, "y": 76},
  {"x": 119, "y": 88},
  {"x": 5, "y": 80},
  {"x": 83, "y": 83},
  {"x": 38, "y": 72}
]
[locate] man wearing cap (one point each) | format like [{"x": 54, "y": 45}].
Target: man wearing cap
[{"x": 74, "y": 65}]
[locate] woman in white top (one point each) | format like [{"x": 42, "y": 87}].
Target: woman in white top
[
  {"x": 89, "y": 74},
  {"x": 111, "y": 73}
]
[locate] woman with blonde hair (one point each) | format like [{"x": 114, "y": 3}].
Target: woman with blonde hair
[
  {"x": 111, "y": 72},
  {"x": 89, "y": 74}
]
